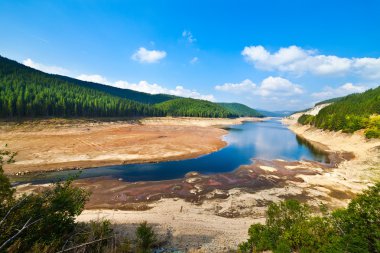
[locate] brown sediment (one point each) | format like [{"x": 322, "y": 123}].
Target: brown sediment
[
  {"x": 52, "y": 145},
  {"x": 200, "y": 206},
  {"x": 195, "y": 188}
]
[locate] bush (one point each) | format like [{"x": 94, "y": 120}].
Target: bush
[
  {"x": 306, "y": 119},
  {"x": 290, "y": 227},
  {"x": 145, "y": 237}
]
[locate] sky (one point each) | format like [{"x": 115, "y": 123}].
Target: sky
[{"x": 273, "y": 55}]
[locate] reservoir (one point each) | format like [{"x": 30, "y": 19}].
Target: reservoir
[{"x": 251, "y": 140}]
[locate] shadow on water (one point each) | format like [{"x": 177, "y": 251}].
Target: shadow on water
[{"x": 262, "y": 140}]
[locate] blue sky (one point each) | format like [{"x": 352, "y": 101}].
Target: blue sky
[{"x": 275, "y": 55}]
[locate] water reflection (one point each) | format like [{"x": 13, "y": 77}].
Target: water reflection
[{"x": 263, "y": 140}]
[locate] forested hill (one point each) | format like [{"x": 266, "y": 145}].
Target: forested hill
[
  {"x": 27, "y": 93},
  {"x": 9, "y": 67},
  {"x": 350, "y": 113},
  {"x": 275, "y": 113},
  {"x": 331, "y": 100},
  {"x": 194, "y": 108},
  {"x": 240, "y": 110}
]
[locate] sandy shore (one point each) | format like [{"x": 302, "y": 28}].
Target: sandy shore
[
  {"x": 66, "y": 144},
  {"x": 213, "y": 212},
  {"x": 220, "y": 223}
]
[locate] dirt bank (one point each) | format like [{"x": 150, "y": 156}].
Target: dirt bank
[
  {"x": 65, "y": 144},
  {"x": 214, "y": 212}
]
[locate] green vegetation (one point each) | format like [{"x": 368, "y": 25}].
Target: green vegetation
[
  {"x": 194, "y": 108},
  {"x": 349, "y": 114},
  {"x": 44, "y": 221},
  {"x": 306, "y": 119},
  {"x": 137, "y": 96},
  {"x": 290, "y": 227},
  {"x": 240, "y": 110},
  {"x": 25, "y": 92},
  {"x": 28, "y": 93},
  {"x": 275, "y": 113},
  {"x": 328, "y": 101},
  {"x": 145, "y": 237}
]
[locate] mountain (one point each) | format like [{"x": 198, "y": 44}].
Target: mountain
[
  {"x": 275, "y": 113},
  {"x": 350, "y": 113},
  {"x": 194, "y": 108},
  {"x": 26, "y": 92},
  {"x": 240, "y": 110}
]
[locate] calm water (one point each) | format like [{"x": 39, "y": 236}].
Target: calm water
[{"x": 263, "y": 140}]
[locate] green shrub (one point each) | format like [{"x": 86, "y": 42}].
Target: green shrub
[
  {"x": 290, "y": 227},
  {"x": 306, "y": 119},
  {"x": 145, "y": 237}
]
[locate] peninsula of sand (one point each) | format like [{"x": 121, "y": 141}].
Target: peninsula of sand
[{"x": 60, "y": 144}]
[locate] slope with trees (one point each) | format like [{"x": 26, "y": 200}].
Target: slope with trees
[
  {"x": 240, "y": 110},
  {"x": 25, "y": 92},
  {"x": 194, "y": 108},
  {"x": 350, "y": 113}
]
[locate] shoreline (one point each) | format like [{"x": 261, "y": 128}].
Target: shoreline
[
  {"x": 206, "y": 203},
  {"x": 61, "y": 144}
]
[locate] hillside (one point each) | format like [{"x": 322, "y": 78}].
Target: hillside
[
  {"x": 194, "y": 108},
  {"x": 275, "y": 113},
  {"x": 349, "y": 114},
  {"x": 329, "y": 101},
  {"x": 240, "y": 110},
  {"x": 26, "y": 92}
]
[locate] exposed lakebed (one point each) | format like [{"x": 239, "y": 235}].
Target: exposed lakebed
[{"x": 266, "y": 140}]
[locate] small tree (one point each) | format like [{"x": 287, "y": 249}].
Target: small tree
[
  {"x": 38, "y": 220},
  {"x": 145, "y": 237}
]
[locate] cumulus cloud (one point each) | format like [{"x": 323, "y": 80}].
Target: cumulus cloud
[
  {"x": 343, "y": 90},
  {"x": 297, "y": 60},
  {"x": 270, "y": 86},
  {"x": 93, "y": 78},
  {"x": 237, "y": 88},
  {"x": 144, "y": 86},
  {"x": 144, "y": 55},
  {"x": 45, "y": 68},
  {"x": 188, "y": 36}
]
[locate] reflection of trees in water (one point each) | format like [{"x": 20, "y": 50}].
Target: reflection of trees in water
[{"x": 319, "y": 154}]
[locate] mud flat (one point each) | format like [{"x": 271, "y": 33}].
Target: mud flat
[
  {"x": 354, "y": 174},
  {"x": 212, "y": 213},
  {"x": 59, "y": 144}
]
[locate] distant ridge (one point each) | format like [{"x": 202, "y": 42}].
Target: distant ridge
[
  {"x": 27, "y": 93},
  {"x": 240, "y": 110}
]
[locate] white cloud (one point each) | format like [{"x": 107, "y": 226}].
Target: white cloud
[
  {"x": 45, "y": 68},
  {"x": 343, "y": 90},
  {"x": 270, "y": 86},
  {"x": 194, "y": 60},
  {"x": 148, "y": 56},
  {"x": 93, "y": 78},
  {"x": 237, "y": 88},
  {"x": 188, "y": 36},
  {"x": 297, "y": 60},
  {"x": 369, "y": 67},
  {"x": 144, "y": 86},
  {"x": 278, "y": 86}
]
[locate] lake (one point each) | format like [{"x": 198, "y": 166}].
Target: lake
[{"x": 252, "y": 140}]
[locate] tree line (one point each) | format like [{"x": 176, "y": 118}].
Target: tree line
[
  {"x": 349, "y": 114},
  {"x": 27, "y": 93},
  {"x": 194, "y": 108}
]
